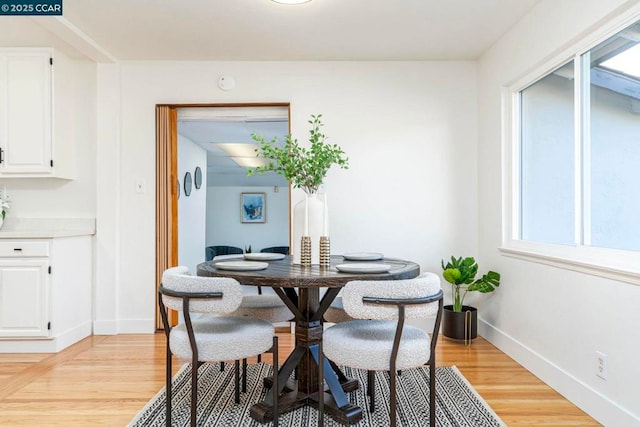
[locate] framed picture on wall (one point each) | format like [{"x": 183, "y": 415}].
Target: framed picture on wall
[{"x": 252, "y": 207}]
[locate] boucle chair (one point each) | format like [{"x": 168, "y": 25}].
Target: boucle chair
[
  {"x": 385, "y": 343},
  {"x": 267, "y": 307},
  {"x": 335, "y": 313},
  {"x": 211, "y": 339}
]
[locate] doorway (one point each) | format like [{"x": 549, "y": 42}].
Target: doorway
[{"x": 169, "y": 181}]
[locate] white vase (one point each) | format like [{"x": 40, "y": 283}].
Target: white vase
[{"x": 317, "y": 226}]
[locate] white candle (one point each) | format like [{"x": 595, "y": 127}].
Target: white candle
[
  {"x": 306, "y": 214},
  {"x": 325, "y": 218}
]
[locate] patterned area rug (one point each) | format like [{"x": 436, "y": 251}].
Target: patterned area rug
[{"x": 457, "y": 403}]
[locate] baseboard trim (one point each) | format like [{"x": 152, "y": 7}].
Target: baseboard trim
[
  {"x": 594, "y": 403},
  {"x": 73, "y": 335},
  {"x": 136, "y": 326},
  {"x": 105, "y": 327},
  {"x": 47, "y": 345}
]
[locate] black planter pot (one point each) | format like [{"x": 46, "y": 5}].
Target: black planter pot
[{"x": 453, "y": 323}]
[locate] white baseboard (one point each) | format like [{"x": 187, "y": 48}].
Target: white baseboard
[
  {"x": 73, "y": 335},
  {"x": 105, "y": 327},
  {"x": 124, "y": 326},
  {"x": 47, "y": 345},
  {"x": 136, "y": 326},
  {"x": 594, "y": 403}
]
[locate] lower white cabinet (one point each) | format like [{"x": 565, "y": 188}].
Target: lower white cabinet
[
  {"x": 24, "y": 297},
  {"x": 45, "y": 293}
]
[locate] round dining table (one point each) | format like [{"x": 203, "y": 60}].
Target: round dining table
[{"x": 299, "y": 288}]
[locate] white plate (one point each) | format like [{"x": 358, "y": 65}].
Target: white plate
[
  {"x": 264, "y": 256},
  {"x": 363, "y": 256},
  {"x": 241, "y": 265},
  {"x": 363, "y": 268}
]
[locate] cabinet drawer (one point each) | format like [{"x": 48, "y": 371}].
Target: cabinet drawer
[{"x": 24, "y": 248}]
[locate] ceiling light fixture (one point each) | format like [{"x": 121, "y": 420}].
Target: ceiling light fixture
[
  {"x": 291, "y": 1},
  {"x": 244, "y": 154}
]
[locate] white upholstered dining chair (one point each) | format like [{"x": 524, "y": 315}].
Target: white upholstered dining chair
[
  {"x": 211, "y": 338},
  {"x": 335, "y": 313},
  {"x": 380, "y": 340},
  {"x": 265, "y": 306}
]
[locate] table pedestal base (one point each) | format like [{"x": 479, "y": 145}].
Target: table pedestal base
[
  {"x": 304, "y": 390},
  {"x": 349, "y": 414}
]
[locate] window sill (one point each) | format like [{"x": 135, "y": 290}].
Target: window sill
[{"x": 608, "y": 263}]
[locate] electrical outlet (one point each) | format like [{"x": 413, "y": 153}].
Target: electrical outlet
[{"x": 601, "y": 365}]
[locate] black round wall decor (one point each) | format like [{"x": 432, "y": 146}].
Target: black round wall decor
[
  {"x": 187, "y": 184},
  {"x": 197, "y": 177}
]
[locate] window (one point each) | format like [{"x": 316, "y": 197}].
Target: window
[
  {"x": 576, "y": 152},
  {"x": 547, "y": 153}
]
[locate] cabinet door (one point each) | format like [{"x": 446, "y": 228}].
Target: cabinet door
[
  {"x": 24, "y": 298},
  {"x": 25, "y": 113}
]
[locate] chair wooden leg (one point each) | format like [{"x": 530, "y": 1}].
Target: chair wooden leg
[
  {"x": 194, "y": 391},
  {"x": 168, "y": 387},
  {"x": 244, "y": 375},
  {"x": 320, "y": 386},
  {"x": 237, "y": 380},
  {"x": 371, "y": 390},
  {"x": 259, "y": 358},
  {"x": 392, "y": 397},
  {"x": 274, "y": 388},
  {"x": 432, "y": 393},
  {"x": 221, "y": 366}
]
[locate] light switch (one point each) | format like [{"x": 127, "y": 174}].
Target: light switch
[{"x": 141, "y": 187}]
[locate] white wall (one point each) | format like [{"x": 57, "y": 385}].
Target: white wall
[
  {"x": 409, "y": 129},
  {"x": 549, "y": 319},
  {"x": 223, "y": 218},
  {"x": 192, "y": 209}
]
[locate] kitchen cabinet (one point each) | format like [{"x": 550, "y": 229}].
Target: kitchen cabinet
[
  {"x": 35, "y": 129},
  {"x": 24, "y": 287},
  {"x": 45, "y": 293}
]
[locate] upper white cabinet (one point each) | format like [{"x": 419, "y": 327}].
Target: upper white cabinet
[{"x": 36, "y": 92}]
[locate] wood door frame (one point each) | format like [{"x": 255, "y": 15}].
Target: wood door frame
[{"x": 167, "y": 184}]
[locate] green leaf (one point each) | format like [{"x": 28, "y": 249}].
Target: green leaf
[
  {"x": 487, "y": 283},
  {"x": 303, "y": 168},
  {"x": 452, "y": 275}
]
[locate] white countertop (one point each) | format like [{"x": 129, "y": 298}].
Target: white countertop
[{"x": 46, "y": 228}]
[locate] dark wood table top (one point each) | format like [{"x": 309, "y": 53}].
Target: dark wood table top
[{"x": 285, "y": 274}]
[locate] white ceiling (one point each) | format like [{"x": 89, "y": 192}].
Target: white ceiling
[
  {"x": 221, "y": 169},
  {"x": 264, "y": 30},
  {"x": 117, "y": 30}
]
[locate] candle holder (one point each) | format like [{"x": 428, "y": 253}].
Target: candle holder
[
  {"x": 305, "y": 251},
  {"x": 325, "y": 252}
]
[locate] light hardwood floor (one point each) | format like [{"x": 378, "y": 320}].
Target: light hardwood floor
[{"x": 106, "y": 380}]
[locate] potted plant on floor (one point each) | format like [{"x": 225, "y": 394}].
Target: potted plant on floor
[{"x": 460, "y": 321}]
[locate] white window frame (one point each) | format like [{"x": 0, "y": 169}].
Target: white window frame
[{"x": 616, "y": 264}]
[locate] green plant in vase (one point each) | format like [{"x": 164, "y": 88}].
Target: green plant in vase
[{"x": 304, "y": 168}]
